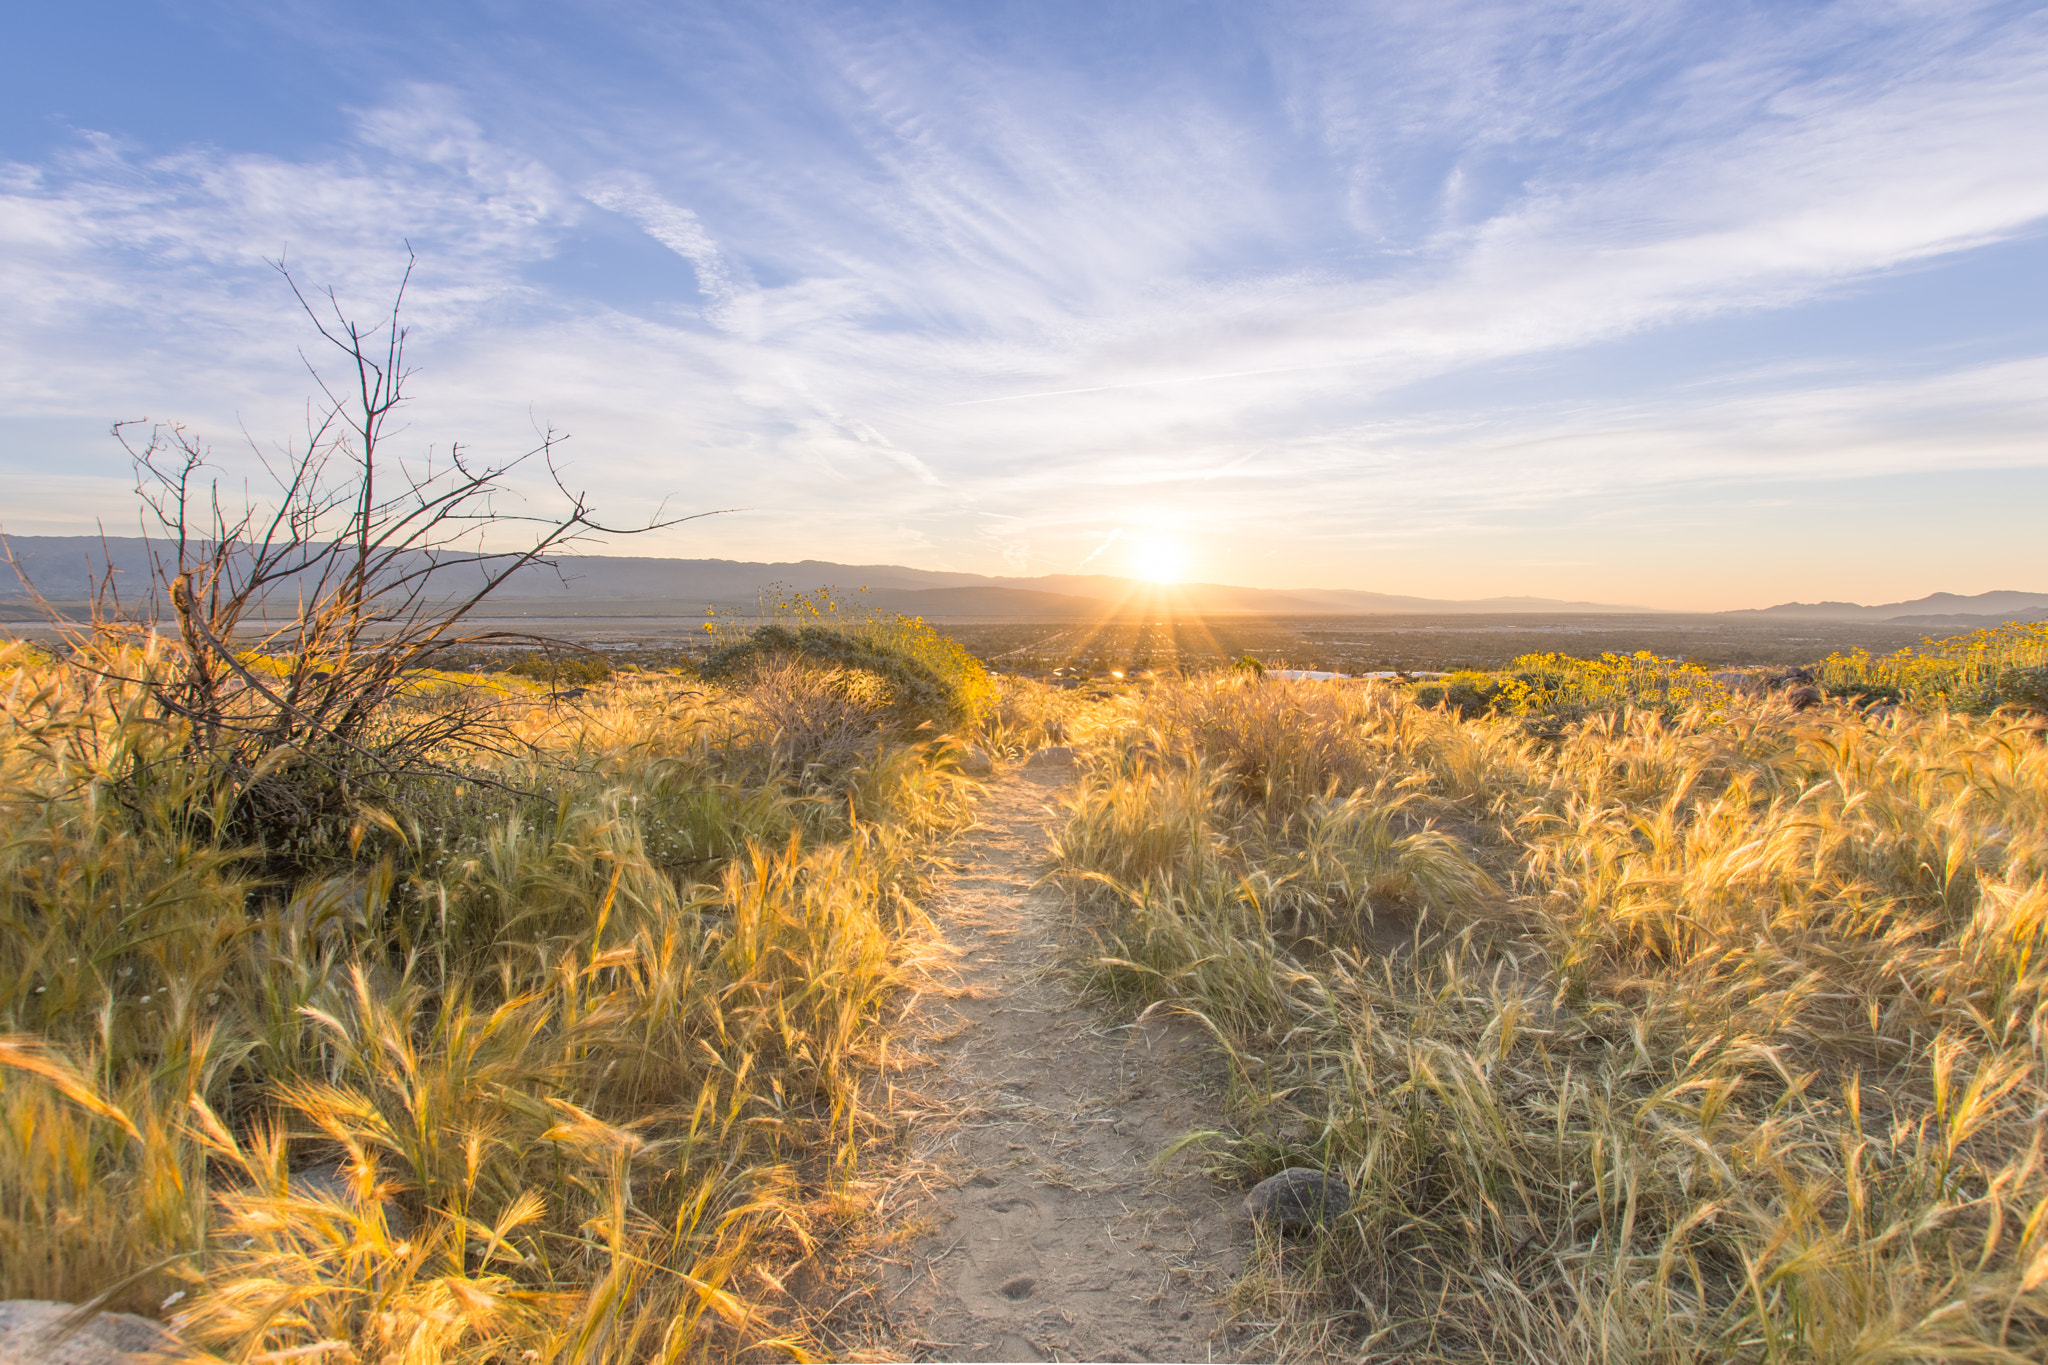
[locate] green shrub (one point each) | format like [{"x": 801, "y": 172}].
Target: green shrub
[
  {"x": 2025, "y": 687},
  {"x": 930, "y": 676},
  {"x": 558, "y": 671},
  {"x": 915, "y": 691},
  {"x": 1463, "y": 693}
]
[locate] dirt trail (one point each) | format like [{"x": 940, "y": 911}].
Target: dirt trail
[{"x": 1046, "y": 1233}]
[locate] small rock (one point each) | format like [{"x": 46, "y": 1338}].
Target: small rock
[
  {"x": 1019, "y": 1288},
  {"x": 1297, "y": 1198},
  {"x": 976, "y": 762},
  {"x": 1803, "y": 697},
  {"x": 30, "y": 1335}
]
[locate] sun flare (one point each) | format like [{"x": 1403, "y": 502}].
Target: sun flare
[{"x": 1159, "y": 561}]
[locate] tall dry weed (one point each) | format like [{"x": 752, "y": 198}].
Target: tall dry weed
[
  {"x": 1716, "y": 1036},
  {"x": 544, "y": 1059}
]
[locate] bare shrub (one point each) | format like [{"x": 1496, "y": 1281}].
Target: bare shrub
[{"x": 300, "y": 616}]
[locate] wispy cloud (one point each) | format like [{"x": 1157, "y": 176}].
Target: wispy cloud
[
  {"x": 965, "y": 290},
  {"x": 675, "y": 227}
]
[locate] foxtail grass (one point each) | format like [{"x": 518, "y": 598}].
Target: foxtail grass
[
  {"x": 557, "y": 1056},
  {"x": 1714, "y": 1035}
]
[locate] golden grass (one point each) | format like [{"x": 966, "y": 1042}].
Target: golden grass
[
  {"x": 1716, "y": 1037},
  {"x": 561, "y": 1060}
]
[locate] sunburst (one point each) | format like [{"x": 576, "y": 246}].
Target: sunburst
[{"x": 1157, "y": 559}]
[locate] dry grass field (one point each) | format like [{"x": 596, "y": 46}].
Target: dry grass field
[
  {"x": 1708, "y": 1032},
  {"x": 557, "y": 1053},
  {"x": 1646, "y": 1020}
]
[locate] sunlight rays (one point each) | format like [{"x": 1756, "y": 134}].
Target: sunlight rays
[{"x": 1158, "y": 559}]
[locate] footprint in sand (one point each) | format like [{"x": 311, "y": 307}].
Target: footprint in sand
[{"x": 1007, "y": 1264}]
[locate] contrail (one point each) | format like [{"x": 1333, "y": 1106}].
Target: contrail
[{"x": 1092, "y": 554}]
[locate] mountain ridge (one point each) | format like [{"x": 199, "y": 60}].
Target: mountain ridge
[
  {"x": 62, "y": 569},
  {"x": 1938, "y": 608}
]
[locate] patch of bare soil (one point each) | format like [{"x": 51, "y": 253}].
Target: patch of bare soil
[{"x": 1035, "y": 1225}]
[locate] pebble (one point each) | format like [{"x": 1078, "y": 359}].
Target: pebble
[
  {"x": 1298, "y": 1198},
  {"x": 31, "y": 1334}
]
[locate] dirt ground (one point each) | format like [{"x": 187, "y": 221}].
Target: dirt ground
[{"x": 1036, "y": 1226}]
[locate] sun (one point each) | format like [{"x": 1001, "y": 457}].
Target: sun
[{"x": 1157, "y": 560}]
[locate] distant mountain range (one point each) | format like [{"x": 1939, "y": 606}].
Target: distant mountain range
[
  {"x": 1936, "y": 609},
  {"x": 63, "y": 568}
]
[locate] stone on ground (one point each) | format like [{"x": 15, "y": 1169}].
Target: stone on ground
[
  {"x": 31, "y": 1334},
  {"x": 1297, "y": 1198}
]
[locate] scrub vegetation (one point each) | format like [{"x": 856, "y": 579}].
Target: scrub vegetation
[
  {"x": 1693, "y": 1030},
  {"x": 1645, "y": 1017},
  {"x": 560, "y": 1050}
]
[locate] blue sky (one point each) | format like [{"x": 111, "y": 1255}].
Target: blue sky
[{"x": 1705, "y": 305}]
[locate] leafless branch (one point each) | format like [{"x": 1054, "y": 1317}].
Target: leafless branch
[{"x": 303, "y": 618}]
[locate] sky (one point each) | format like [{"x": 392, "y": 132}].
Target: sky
[{"x": 1698, "y": 305}]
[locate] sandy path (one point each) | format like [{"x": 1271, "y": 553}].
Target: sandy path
[{"x": 1045, "y": 1232}]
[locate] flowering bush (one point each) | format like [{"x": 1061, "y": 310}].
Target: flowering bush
[
  {"x": 2003, "y": 666},
  {"x": 1557, "y": 687}
]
